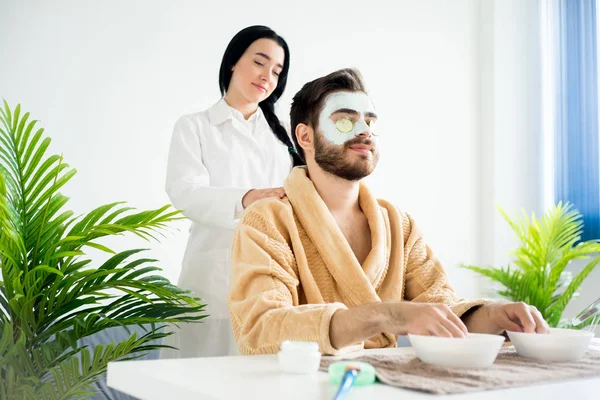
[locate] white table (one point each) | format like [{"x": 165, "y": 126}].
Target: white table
[{"x": 258, "y": 377}]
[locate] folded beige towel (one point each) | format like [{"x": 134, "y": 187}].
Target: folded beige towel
[{"x": 509, "y": 370}]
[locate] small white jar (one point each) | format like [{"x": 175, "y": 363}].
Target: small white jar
[{"x": 299, "y": 357}]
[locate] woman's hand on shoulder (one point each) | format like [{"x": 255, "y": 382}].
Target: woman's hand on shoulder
[{"x": 256, "y": 194}]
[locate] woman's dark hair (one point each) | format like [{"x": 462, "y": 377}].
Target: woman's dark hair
[{"x": 236, "y": 47}]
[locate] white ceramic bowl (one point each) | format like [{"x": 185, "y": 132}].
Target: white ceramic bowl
[
  {"x": 559, "y": 346},
  {"x": 474, "y": 351}
]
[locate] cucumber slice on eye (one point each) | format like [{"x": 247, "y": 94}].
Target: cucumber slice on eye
[
  {"x": 373, "y": 125},
  {"x": 344, "y": 125}
]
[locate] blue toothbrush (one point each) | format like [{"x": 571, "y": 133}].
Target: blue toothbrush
[{"x": 347, "y": 382}]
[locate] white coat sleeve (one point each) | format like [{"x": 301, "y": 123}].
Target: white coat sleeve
[{"x": 188, "y": 182}]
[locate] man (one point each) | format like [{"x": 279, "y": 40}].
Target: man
[{"x": 330, "y": 263}]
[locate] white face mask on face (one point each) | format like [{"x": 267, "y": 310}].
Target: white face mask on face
[{"x": 345, "y": 130}]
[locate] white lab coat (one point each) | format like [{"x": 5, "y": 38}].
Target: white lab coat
[{"x": 215, "y": 157}]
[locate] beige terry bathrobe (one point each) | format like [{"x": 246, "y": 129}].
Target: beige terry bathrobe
[{"x": 293, "y": 268}]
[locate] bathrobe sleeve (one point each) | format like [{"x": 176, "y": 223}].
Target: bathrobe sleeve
[
  {"x": 264, "y": 298},
  {"x": 426, "y": 279}
]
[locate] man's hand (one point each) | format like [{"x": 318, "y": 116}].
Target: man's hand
[
  {"x": 498, "y": 317},
  {"x": 352, "y": 326},
  {"x": 356, "y": 324},
  {"x": 431, "y": 319},
  {"x": 256, "y": 194}
]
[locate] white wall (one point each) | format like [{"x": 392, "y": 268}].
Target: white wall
[
  {"x": 511, "y": 158},
  {"x": 109, "y": 78}
]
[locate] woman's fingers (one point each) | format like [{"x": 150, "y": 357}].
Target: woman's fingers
[{"x": 275, "y": 192}]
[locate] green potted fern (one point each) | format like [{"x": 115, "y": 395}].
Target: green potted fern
[
  {"x": 51, "y": 293},
  {"x": 538, "y": 275}
]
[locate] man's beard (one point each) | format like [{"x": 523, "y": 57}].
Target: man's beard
[{"x": 332, "y": 158}]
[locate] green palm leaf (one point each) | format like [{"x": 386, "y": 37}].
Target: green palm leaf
[
  {"x": 51, "y": 296},
  {"x": 547, "y": 246}
]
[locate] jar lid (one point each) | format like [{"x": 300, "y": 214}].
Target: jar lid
[
  {"x": 366, "y": 374},
  {"x": 299, "y": 347}
]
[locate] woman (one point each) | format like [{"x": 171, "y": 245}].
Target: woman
[{"x": 220, "y": 161}]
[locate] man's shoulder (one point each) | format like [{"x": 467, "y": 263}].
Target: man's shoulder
[
  {"x": 271, "y": 209},
  {"x": 389, "y": 207},
  {"x": 394, "y": 213}
]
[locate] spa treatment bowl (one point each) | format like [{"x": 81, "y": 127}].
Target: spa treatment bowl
[
  {"x": 559, "y": 345},
  {"x": 474, "y": 351}
]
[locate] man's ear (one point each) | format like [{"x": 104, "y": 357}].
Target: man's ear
[{"x": 305, "y": 136}]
